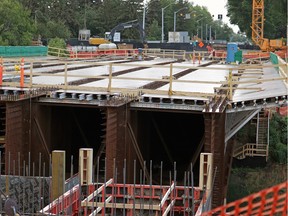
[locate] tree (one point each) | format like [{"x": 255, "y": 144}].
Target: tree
[
  {"x": 154, "y": 31},
  {"x": 153, "y": 12},
  {"x": 278, "y": 139},
  {"x": 53, "y": 29},
  {"x": 16, "y": 27}
]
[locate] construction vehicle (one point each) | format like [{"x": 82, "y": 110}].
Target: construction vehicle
[
  {"x": 131, "y": 24},
  {"x": 257, "y": 27},
  {"x": 95, "y": 41},
  {"x": 110, "y": 36}
]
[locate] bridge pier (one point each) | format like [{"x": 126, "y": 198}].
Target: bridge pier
[{"x": 215, "y": 144}]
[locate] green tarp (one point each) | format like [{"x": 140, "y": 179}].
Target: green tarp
[
  {"x": 23, "y": 51},
  {"x": 238, "y": 56},
  {"x": 274, "y": 59}
]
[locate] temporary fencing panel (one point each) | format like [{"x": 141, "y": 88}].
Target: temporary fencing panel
[{"x": 271, "y": 201}]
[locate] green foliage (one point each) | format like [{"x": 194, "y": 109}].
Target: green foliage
[
  {"x": 247, "y": 134},
  {"x": 53, "y": 29},
  {"x": 278, "y": 139},
  {"x": 245, "y": 181},
  {"x": 57, "y": 43},
  {"x": 60, "y": 44},
  {"x": 16, "y": 27},
  {"x": 154, "y": 31}
]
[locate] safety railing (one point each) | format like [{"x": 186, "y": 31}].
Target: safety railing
[
  {"x": 66, "y": 78},
  {"x": 283, "y": 70},
  {"x": 271, "y": 201},
  {"x": 54, "y": 51},
  {"x": 252, "y": 150},
  {"x": 98, "y": 52},
  {"x": 128, "y": 197},
  {"x": 67, "y": 204}
]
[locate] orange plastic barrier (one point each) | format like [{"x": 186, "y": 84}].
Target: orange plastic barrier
[
  {"x": 266, "y": 202},
  {"x": 22, "y": 73}
]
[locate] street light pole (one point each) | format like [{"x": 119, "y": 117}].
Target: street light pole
[
  {"x": 206, "y": 32},
  {"x": 162, "y": 35},
  {"x": 197, "y": 21},
  {"x": 210, "y": 34},
  {"x": 175, "y": 16},
  {"x": 144, "y": 14}
]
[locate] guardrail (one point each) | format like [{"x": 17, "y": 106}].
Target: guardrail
[
  {"x": 70, "y": 53},
  {"x": 283, "y": 70},
  {"x": 251, "y": 149}
]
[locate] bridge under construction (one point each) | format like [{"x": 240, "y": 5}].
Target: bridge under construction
[{"x": 141, "y": 125}]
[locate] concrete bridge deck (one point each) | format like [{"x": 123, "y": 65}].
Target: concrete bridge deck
[{"x": 151, "y": 79}]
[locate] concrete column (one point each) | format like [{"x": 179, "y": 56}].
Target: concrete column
[
  {"x": 115, "y": 142},
  {"x": 215, "y": 144},
  {"x": 58, "y": 173}
]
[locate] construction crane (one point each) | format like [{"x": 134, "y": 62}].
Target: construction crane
[{"x": 257, "y": 27}]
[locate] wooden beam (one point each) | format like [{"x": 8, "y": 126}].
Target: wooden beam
[
  {"x": 238, "y": 88},
  {"x": 58, "y": 174}
]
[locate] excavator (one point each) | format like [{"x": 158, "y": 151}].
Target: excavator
[
  {"x": 132, "y": 24},
  {"x": 257, "y": 27}
]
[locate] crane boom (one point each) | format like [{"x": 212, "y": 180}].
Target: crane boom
[
  {"x": 258, "y": 22},
  {"x": 258, "y": 29}
]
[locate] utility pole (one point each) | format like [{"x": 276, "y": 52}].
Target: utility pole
[
  {"x": 210, "y": 34},
  {"x": 144, "y": 14},
  {"x": 162, "y": 9},
  {"x": 201, "y": 31},
  {"x": 175, "y": 17},
  {"x": 206, "y": 32}
]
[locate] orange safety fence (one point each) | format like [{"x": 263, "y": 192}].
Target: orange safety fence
[
  {"x": 269, "y": 201},
  {"x": 98, "y": 53}
]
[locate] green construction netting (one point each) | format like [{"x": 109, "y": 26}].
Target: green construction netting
[{"x": 23, "y": 51}]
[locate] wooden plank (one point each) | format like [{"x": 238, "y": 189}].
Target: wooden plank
[{"x": 237, "y": 88}]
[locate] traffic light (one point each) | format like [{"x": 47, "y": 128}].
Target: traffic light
[{"x": 220, "y": 16}]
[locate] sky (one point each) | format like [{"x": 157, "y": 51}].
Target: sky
[{"x": 216, "y": 7}]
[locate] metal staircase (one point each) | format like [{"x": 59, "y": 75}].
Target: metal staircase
[{"x": 261, "y": 147}]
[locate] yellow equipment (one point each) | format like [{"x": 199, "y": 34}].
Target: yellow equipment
[
  {"x": 258, "y": 29},
  {"x": 97, "y": 41}
]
